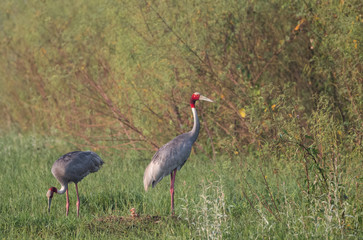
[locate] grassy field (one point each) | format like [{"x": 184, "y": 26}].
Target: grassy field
[
  {"x": 279, "y": 154},
  {"x": 239, "y": 198}
]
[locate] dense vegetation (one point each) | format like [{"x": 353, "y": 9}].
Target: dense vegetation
[
  {"x": 279, "y": 151},
  {"x": 240, "y": 198}
]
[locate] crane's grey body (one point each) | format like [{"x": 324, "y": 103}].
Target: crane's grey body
[
  {"x": 74, "y": 166},
  {"x": 171, "y": 156}
]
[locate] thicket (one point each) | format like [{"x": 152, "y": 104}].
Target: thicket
[
  {"x": 119, "y": 74},
  {"x": 286, "y": 77}
]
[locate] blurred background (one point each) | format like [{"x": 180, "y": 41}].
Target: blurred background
[{"x": 119, "y": 74}]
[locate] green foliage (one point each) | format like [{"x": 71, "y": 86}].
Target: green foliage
[
  {"x": 284, "y": 132},
  {"x": 119, "y": 74}
]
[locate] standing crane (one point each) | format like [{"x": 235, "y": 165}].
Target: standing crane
[
  {"x": 172, "y": 156},
  {"x": 73, "y": 167}
]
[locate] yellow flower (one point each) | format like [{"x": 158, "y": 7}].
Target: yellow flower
[
  {"x": 236, "y": 152},
  {"x": 273, "y": 107},
  {"x": 300, "y": 22},
  {"x": 242, "y": 112}
]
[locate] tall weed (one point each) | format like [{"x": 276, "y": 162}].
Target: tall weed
[{"x": 207, "y": 214}]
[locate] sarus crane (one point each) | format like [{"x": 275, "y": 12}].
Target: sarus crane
[
  {"x": 73, "y": 167},
  {"x": 172, "y": 156}
]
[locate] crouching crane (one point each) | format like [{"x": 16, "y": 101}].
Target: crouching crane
[
  {"x": 172, "y": 156},
  {"x": 73, "y": 167}
]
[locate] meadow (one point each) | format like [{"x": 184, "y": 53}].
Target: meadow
[
  {"x": 279, "y": 154},
  {"x": 225, "y": 198}
]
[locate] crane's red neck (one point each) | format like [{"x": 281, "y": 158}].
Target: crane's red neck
[
  {"x": 53, "y": 189},
  {"x": 193, "y": 99}
]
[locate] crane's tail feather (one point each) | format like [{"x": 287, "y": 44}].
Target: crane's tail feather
[
  {"x": 152, "y": 175},
  {"x": 147, "y": 177}
]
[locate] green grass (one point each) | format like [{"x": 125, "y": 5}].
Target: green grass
[{"x": 215, "y": 199}]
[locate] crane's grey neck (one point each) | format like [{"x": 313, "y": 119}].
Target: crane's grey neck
[
  {"x": 63, "y": 189},
  {"x": 196, "y": 126}
]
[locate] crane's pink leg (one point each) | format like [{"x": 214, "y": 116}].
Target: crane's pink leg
[
  {"x": 67, "y": 204},
  {"x": 78, "y": 202},
  {"x": 172, "y": 180}
]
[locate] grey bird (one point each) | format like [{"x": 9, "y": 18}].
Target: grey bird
[
  {"x": 73, "y": 167},
  {"x": 172, "y": 156}
]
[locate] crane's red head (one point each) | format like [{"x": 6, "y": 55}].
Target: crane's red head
[
  {"x": 197, "y": 96},
  {"x": 50, "y": 193}
]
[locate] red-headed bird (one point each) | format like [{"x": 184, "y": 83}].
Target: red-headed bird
[
  {"x": 172, "y": 156},
  {"x": 73, "y": 167}
]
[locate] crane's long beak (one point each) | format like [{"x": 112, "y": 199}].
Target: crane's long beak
[
  {"x": 203, "y": 98},
  {"x": 49, "y": 202}
]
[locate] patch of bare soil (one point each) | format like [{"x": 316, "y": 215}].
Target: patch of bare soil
[
  {"x": 131, "y": 219},
  {"x": 123, "y": 225}
]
